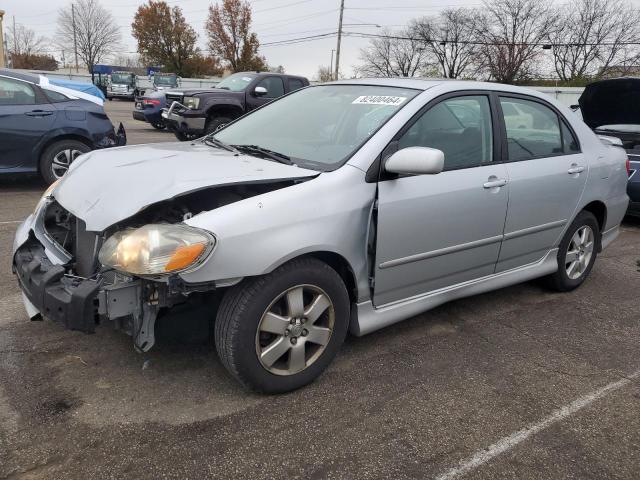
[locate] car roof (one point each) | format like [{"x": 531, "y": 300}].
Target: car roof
[{"x": 19, "y": 75}]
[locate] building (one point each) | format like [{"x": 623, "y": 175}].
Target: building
[{"x": 2, "y": 53}]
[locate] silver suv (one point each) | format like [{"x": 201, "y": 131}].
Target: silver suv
[{"x": 346, "y": 206}]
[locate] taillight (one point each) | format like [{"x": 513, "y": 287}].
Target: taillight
[
  {"x": 628, "y": 167},
  {"x": 151, "y": 102}
]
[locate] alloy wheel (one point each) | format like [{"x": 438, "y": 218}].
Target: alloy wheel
[
  {"x": 579, "y": 252},
  {"x": 295, "y": 330},
  {"x": 63, "y": 160}
]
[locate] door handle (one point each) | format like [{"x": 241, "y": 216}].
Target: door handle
[
  {"x": 500, "y": 182},
  {"x": 575, "y": 168},
  {"x": 38, "y": 113}
]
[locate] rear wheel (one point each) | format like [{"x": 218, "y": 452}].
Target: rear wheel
[
  {"x": 577, "y": 253},
  {"x": 279, "y": 332},
  {"x": 57, "y": 158},
  {"x": 158, "y": 125}
]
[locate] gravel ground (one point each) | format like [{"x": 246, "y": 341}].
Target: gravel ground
[{"x": 519, "y": 383}]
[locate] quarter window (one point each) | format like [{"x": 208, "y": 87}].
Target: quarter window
[
  {"x": 460, "y": 127},
  {"x": 13, "y": 92},
  {"x": 274, "y": 86},
  {"x": 533, "y": 129},
  {"x": 295, "y": 84},
  {"x": 569, "y": 142}
]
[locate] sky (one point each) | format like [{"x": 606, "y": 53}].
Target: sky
[{"x": 273, "y": 21}]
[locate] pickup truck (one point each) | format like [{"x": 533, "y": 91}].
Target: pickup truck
[{"x": 193, "y": 113}]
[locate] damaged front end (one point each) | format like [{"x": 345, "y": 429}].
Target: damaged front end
[{"x": 62, "y": 279}]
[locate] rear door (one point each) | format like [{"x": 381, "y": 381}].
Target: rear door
[
  {"x": 547, "y": 174},
  {"x": 274, "y": 86},
  {"x": 435, "y": 231},
  {"x": 25, "y": 116}
]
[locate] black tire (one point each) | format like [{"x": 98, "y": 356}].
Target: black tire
[
  {"x": 215, "y": 123},
  {"x": 186, "y": 137},
  {"x": 560, "y": 280},
  {"x": 52, "y": 151},
  {"x": 159, "y": 125},
  {"x": 242, "y": 309}
]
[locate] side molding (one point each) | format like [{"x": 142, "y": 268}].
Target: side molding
[{"x": 369, "y": 318}]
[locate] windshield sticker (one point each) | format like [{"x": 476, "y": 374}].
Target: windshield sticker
[
  {"x": 246, "y": 79},
  {"x": 379, "y": 100}
]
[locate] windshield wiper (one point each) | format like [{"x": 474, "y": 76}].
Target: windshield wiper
[
  {"x": 214, "y": 142},
  {"x": 256, "y": 149}
]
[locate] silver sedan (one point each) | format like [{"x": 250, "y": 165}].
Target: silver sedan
[{"x": 341, "y": 207}]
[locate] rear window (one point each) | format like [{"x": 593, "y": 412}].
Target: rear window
[{"x": 55, "y": 97}]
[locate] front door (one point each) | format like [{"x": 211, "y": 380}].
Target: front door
[
  {"x": 436, "y": 231},
  {"x": 547, "y": 174},
  {"x": 24, "y": 119}
]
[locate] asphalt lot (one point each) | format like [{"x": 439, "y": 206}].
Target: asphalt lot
[{"x": 519, "y": 383}]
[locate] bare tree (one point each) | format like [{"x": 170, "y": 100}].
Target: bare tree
[
  {"x": 324, "y": 74},
  {"x": 128, "y": 61},
  {"x": 392, "y": 55},
  {"x": 96, "y": 31},
  {"x": 592, "y": 36},
  {"x": 24, "y": 41},
  {"x": 448, "y": 40},
  {"x": 511, "y": 33}
]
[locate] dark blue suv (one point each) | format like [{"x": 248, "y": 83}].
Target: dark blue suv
[{"x": 44, "y": 127}]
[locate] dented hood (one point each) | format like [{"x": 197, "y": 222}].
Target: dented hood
[{"x": 107, "y": 186}]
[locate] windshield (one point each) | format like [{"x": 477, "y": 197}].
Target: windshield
[
  {"x": 319, "y": 127},
  {"x": 622, "y": 128},
  {"x": 164, "y": 80},
  {"x": 122, "y": 78},
  {"x": 236, "y": 82}
]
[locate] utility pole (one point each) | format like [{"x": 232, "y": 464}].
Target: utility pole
[
  {"x": 331, "y": 64},
  {"x": 15, "y": 44},
  {"x": 339, "y": 40},
  {"x": 75, "y": 41},
  {"x": 2, "y": 53}
]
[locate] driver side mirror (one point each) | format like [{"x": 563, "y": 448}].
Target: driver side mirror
[
  {"x": 415, "y": 161},
  {"x": 260, "y": 91}
]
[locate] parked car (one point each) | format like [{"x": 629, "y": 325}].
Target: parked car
[
  {"x": 193, "y": 113},
  {"x": 45, "y": 127},
  {"x": 610, "y": 108},
  {"x": 165, "y": 81},
  {"x": 148, "y": 108},
  {"x": 350, "y": 205},
  {"x": 123, "y": 84}
]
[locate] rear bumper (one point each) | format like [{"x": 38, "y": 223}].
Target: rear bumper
[{"x": 138, "y": 115}]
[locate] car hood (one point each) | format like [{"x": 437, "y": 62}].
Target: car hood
[
  {"x": 611, "y": 102},
  {"x": 107, "y": 186}
]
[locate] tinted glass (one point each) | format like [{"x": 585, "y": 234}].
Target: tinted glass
[
  {"x": 319, "y": 127},
  {"x": 55, "y": 97},
  {"x": 295, "y": 84},
  {"x": 532, "y": 132},
  {"x": 122, "y": 78},
  {"x": 165, "y": 80},
  {"x": 13, "y": 92},
  {"x": 569, "y": 141},
  {"x": 236, "y": 82},
  {"x": 274, "y": 86},
  {"x": 460, "y": 127}
]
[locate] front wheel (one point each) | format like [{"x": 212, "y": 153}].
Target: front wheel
[
  {"x": 158, "y": 125},
  {"x": 278, "y": 332},
  {"x": 216, "y": 123},
  {"x": 577, "y": 253},
  {"x": 186, "y": 137}
]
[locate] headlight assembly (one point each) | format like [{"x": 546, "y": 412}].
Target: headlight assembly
[
  {"x": 156, "y": 249},
  {"x": 47, "y": 193},
  {"x": 192, "y": 102}
]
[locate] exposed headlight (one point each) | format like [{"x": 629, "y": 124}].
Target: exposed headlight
[
  {"x": 156, "y": 249},
  {"x": 192, "y": 102},
  {"x": 47, "y": 193}
]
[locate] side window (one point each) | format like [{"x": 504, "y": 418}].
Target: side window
[
  {"x": 295, "y": 84},
  {"x": 460, "y": 127},
  {"x": 274, "y": 86},
  {"x": 533, "y": 129},
  {"x": 55, "y": 97},
  {"x": 569, "y": 142},
  {"x": 13, "y": 92}
]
